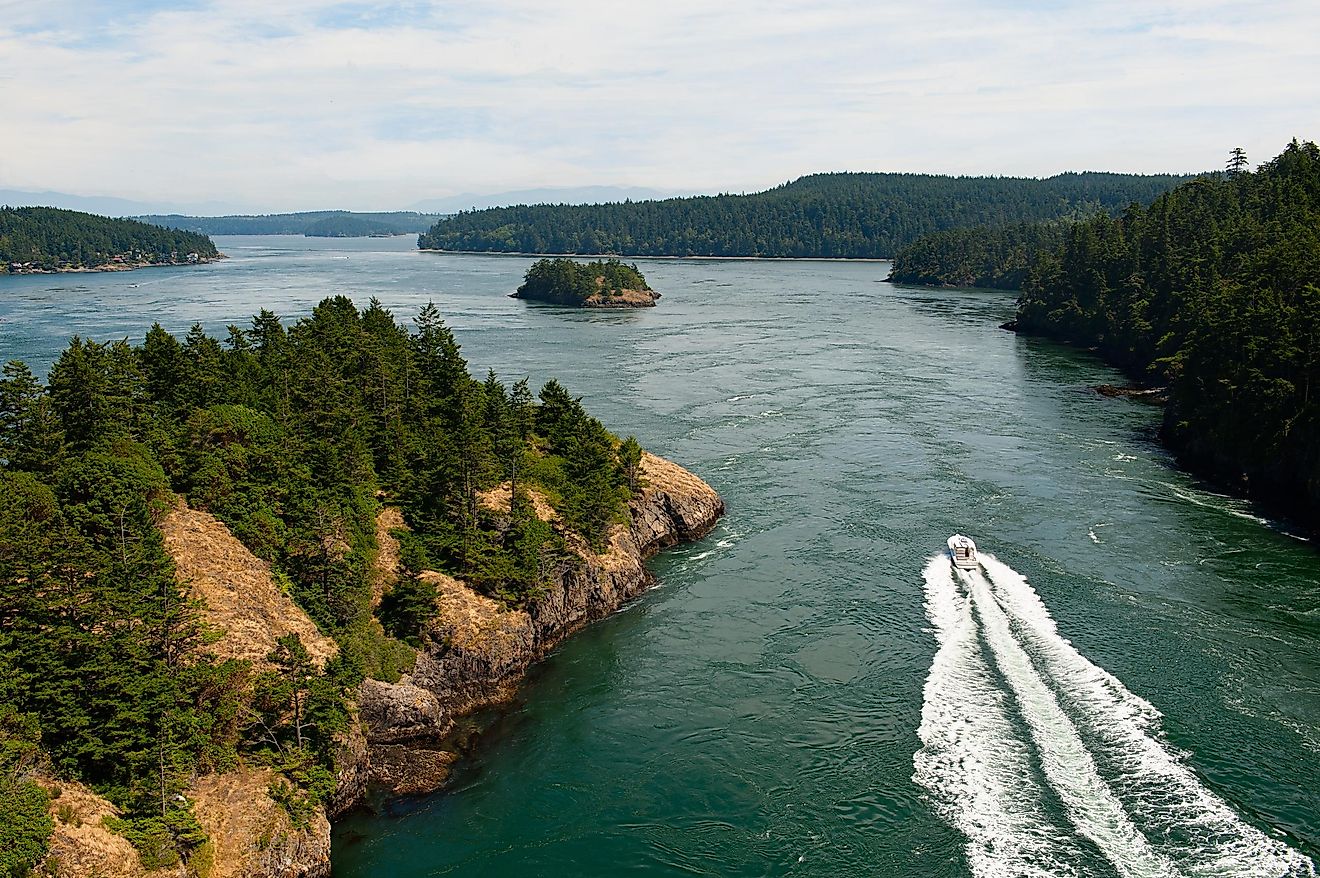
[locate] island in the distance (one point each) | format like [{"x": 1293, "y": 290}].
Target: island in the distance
[
  {"x": 38, "y": 240},
  {"x": 605, "y": 283}
]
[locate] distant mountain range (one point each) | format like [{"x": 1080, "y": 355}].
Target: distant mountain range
[
  {"x": 108, "y": 205},
  {"x": 105, "y": 205}
]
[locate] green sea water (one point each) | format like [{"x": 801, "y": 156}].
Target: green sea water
[{"x": 805, "y": 693}]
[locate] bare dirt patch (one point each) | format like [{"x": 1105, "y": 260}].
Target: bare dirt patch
[{"x": 390, "y": 518}]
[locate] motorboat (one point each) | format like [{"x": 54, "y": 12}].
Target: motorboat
[{"x": 963, "y": 552}]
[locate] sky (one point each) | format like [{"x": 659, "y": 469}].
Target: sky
[{"x": 272, "y": 105}]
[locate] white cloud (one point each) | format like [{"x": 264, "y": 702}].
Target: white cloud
[{"x": 310, "y": 103}]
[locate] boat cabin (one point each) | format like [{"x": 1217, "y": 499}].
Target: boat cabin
[{"x": 963, "y": 552}]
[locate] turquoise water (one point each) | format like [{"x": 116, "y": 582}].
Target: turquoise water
[{"x": 802, "y": 694}]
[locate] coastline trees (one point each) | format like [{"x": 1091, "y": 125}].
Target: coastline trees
[
  {"x": 569, "y": 282},
  {"x": 49, "y": 239},
  {"x": 1212, "y": 290},
  {"x": 289, "y": 436},
  {"x": 822, "y": 215}
]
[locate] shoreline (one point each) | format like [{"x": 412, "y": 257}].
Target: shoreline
[
  {"x": 526, "y": 255},
  {"x": 114, "y": 266},
  {"x": 1277, "y": 506},
  {"x": 477, "y": 653}
]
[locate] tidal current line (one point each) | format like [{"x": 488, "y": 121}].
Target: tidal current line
[
  {"x": 1200, "y": 832},
  {"x": 972, "y": 761}
]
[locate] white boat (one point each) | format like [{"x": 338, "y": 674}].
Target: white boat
[{"x": 963, "y": 552}]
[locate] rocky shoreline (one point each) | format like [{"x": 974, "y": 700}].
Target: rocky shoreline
[
  {"x": 476, "y": 652},
  {"x": 474, "y": 655},
  {"x": 622, "y": 299}
]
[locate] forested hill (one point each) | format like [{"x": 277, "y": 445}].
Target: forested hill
[
  {"x": 1214, "y": 291},
  {"x": 313, "y": 223},
  {"x": 998, "y": 257},
  {"x": 51, "y": 239},
  {"x": 823, "y": 215},
  {"x": 289, "y": 436}
]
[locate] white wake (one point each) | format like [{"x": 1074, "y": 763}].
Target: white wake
[
  {"x": 977, "y": 771},
  {"x": 1098, "y": 748},
  {"x": 1201, "y": 831}
]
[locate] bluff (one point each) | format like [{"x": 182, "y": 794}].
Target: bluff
[
  {"x": 474, "y": 653},
  {"x": 195, "y": 577}
]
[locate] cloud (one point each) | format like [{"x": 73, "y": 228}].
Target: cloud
[{"x": 308, "y": 103}]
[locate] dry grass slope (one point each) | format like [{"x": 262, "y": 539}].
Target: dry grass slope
[
  {"x": 389, "y": 518},
  {"x": 251, "y": 834},
  {"x": 474, "y": 621},
  {"x": 242, "y": 599},
  {"x": 81, "y": 846}
]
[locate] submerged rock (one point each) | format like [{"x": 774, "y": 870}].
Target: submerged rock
[{"x": 1153, "y": 395}]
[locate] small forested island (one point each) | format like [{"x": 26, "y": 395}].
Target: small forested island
[
  {"x": 243, "y": 581},
  {"x": 838, "y": 216},
  {"x": 350, "y": 227},
  {"x": 605, "y": 283},
  {"x": 36, "y": 240},
  {"x": 1213, "y": 292}
]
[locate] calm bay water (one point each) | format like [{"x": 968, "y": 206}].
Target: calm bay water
[{"x": 764, "y": 711}]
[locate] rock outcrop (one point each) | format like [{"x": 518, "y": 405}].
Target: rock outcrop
[
  {"x": 399, "y": 712},
  {"x": 352, "y": 771},
  {"x": 477, "y": 650}
]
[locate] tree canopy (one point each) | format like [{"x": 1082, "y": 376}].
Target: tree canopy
[
  {"x": 822, "y": 215},
  {"x": 50, "y": 239},
  {"x": 292, "y": 437}
]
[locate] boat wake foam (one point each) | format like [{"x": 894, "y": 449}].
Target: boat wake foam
[{"x": 1048, "y": 764}]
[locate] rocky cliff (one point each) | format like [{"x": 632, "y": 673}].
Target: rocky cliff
[{"x": 477, "y": 651}]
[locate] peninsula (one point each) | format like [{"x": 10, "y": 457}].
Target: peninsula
[
  {"x": 283, "y": 567},
  {"x": 42, "y": 240},
  {"x": 606, "y": 283}
]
